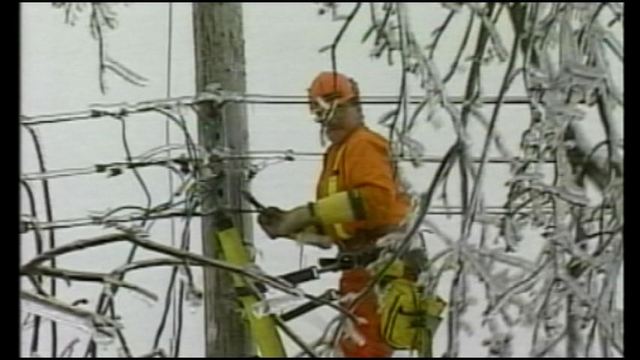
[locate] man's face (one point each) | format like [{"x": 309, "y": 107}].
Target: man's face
[
  {"x": 334, "y": 118},
  {"x": 329, "y": 114}
]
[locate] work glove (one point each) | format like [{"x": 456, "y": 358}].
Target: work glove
[{"x": 279, "y": 223}]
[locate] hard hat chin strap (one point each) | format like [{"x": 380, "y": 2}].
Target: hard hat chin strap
[{"x": 323, "y": 137}]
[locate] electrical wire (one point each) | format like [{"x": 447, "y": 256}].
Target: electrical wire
[
  {"x": 103, "y": 110},
  {"x": 172, "y": 299},
  {"x": 172, "y": 223},
  {"x": 101, "y": 309},
  {"x": 52, "y": 238},
  {"x": 181, "y": 122},
  {"x": 113, "y": 169},
  {"x": 287, "y": 155},
  {"x": 127, "y": 150},
  {"x": 178, "y": 335},
  {"x": 39, "y": 248},
  {"x": 81, "y": 222}
]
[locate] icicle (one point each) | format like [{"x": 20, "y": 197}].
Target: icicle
[
  {"x": 144, "y": 299},
  {"x": 467, "y": 328},
  {"x": 511, "y": 233},
  {"x": 121, "y": 353},
  {"x": 500, "y": 345},
  {"x": 194, "y": 299},
  {"x": 108, "y": 293},
  {"x": 104, "y": 338},
  {"x": 326, "y": 351},
  {"x": 454, "y": 6},
  {"x": 182, "y": 275},
  {"x": 434, "y": 116}
]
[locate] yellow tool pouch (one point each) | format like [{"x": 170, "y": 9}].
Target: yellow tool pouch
[{"x": 407, "y": 318}]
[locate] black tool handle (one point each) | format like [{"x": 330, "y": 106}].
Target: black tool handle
[
  {"x": 300, "y": 276},
  {"x": 251, "y": 199},
  {"x": 308, "y": 306}
]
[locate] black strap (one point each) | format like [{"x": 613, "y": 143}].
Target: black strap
[{"x": 350, "y": 260}]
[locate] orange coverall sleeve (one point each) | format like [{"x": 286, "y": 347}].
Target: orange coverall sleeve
[{"x": 368, "y": 169}]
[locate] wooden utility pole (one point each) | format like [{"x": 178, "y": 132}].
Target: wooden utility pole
[{"x": 219, "y": 56}]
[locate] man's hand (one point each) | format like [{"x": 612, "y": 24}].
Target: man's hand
[
  {"x": 269, "y": 218},
  {"x": 278, "y": 223}
]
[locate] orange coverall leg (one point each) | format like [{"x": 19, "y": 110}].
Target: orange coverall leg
[{"x": 374, "y": 346}]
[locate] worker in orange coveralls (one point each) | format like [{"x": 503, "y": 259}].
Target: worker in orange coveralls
[{"x": 358, "y": 200}]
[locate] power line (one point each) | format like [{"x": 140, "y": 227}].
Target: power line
[
  {"x": 287, "y": 155},
  {"x": 120, "y": 109},
  {"x": 102, "y": 110},
  {"x": 112, "y": 169},
  {"x": 81, "y": 222},
  {"x": 52, "y": 239},
  {"x": 87, "y": 221},
  {"x": 175, "y": 340}
]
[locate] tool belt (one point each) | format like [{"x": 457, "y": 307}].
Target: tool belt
[
  {"x": 358, "y": 251},
  {"x": 408, "y": 319}
]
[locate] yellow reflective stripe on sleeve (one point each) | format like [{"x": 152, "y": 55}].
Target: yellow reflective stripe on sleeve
[{"x": 339, "y": 229}]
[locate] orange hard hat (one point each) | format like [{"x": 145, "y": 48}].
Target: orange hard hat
[{"x": 332, "y": 86}]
